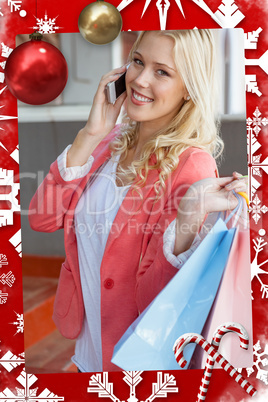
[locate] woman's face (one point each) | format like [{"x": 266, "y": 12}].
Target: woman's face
[{"x": 155, "y": 90}]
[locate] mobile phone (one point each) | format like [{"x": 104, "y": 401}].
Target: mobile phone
[{"x": 115, "y": 88}]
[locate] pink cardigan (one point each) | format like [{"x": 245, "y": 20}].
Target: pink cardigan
[{"x": 133, "y": 269}]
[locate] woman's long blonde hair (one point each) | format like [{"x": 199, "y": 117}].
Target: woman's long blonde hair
[{"x": 195, "y": 125}]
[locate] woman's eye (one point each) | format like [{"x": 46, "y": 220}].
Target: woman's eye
[
  {"x": 138, "y": 61},
  {"x": 162, "y": 72}
]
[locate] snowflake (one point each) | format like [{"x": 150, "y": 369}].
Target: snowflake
[
  {"x": 99, "y": 383},
  {"x": 256, "y": 269},
  {"x": 5, "y": 50},
  {"x": 262, "y": 62},
  {"x": 3, "y": 64},
  {"x": 251, "y": 39},
  {"x": 10, "y": 361},
  {"x": 253, "y": 146},
  {"x": 256, "y": 209},
  {"x": 7, "y": 179},
  {"x": 227, "y": 15},
  {"x": 15, "y": 240},
  {"x": 1, "y": 14},
  {"x": 19, "y": 323},
  {"x": 251, "y": 84},
  {"x": 262, "y": 374},
  {"x": 3, "y": 297},
  {"x": 28, "y": 393},
  {"x": 257, "y": 121},
  {"x": 7, "y": 279},
  {"x": 15, "y": 5},
  {"x": 254, "y": 126},
  {"x": 3, "y": 260},
  {"x": 46, "y": 25}
]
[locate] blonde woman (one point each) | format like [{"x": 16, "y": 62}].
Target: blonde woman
[{"x": 131, "y": 198}]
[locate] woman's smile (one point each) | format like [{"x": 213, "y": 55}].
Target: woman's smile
[{"x": 139, "y": 99}]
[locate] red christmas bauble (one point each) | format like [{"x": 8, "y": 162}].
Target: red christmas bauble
[{"x": 36, "y": 72}]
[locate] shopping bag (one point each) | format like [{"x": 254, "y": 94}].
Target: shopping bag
[
  {"x": 233, "y": 300},
  {"x": 182, "y": 306}
]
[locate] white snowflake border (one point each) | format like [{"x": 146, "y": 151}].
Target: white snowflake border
[
  {"x": 255, "y": 125},
  {"x": 48, "y": 25},
  {"x": 255, "y": 167},
  {"x": 256, "y": 270},
  {"x": 259, "y": 361},
  {"x": 27, "y": 393},
  {"x": 9, "y": 278},
  {"x": 257, "y": 121},
  {"x": 7, "y": 179},
  {"x": 165, "y": 384},
  {"x": 9, "y": 362},
  {"x": 257, "y": 209},
  {"x": 251, "y": 41},
  {"x": 227, "y": 15},
  {"x": 14, "y": 5}
]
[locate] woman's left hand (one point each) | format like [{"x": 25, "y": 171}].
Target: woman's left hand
[
  {"x": 203, "y": 197},
  {"x": 215, "y": 194}
]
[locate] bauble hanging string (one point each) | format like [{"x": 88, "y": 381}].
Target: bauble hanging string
[
  {"x": 100, "y": 22},
  {"x": 36, "y": 72}
]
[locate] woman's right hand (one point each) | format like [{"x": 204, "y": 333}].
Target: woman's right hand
[
  {"x": 103, "y": 115},
  {"x": 101, "y": 121}
]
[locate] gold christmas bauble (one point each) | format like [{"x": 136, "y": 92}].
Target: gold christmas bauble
[{"x": 100, "y": 22}]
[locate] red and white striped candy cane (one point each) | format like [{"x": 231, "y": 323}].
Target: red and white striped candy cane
[
  {"x": 218, "y": 334},
  {"x": 185, "y": 339}
]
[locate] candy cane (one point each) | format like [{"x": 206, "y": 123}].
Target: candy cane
[
  {"x": 220, "y": 331},
  {"x": 183, "y": 340}
]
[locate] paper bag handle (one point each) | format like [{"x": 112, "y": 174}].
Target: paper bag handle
[{"x": 237, "y": 211}]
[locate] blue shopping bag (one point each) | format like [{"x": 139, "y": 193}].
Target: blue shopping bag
[{"x": 181, "y": 307}]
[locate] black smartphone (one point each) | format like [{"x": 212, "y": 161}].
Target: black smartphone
[{"x": 115, "y": 88}]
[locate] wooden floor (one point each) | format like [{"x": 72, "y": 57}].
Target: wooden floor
[
  {"x": 50, "y": 355},
  {"x": 46, "y": 351}
]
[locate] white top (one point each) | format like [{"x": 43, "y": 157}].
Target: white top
[{"x": 94, "y": 216}]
